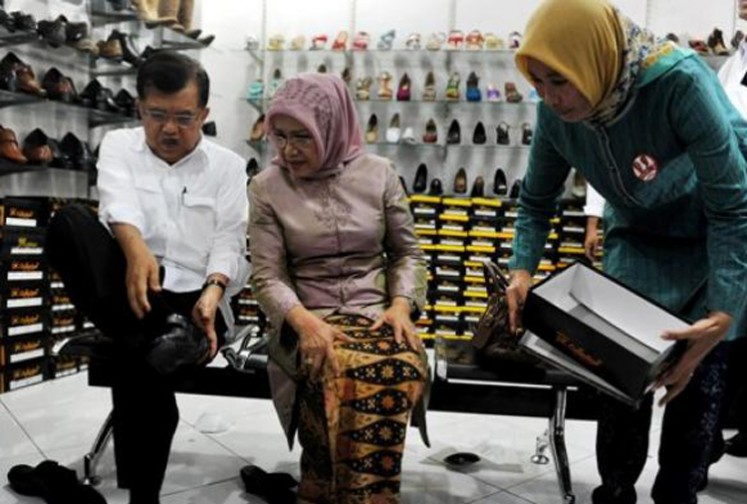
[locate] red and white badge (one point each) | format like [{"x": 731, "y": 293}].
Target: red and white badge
[{"x": 645, "y": 167}]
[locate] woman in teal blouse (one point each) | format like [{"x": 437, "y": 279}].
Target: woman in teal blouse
[{"x": 651, "y": 129}]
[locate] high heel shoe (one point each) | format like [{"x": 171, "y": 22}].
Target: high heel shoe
[
  {"x": 256, "y": 90},
  {"x": 275, "y": 43},
  {"x": 275, "y": 83},
  {"x": 474, "y": 41},
  {"x": 500, "y": 185},
  {"x": 386, "y": 41},
  {"x": 455, "y": 40},
  {"x": 421, "y": 179},
  {"x": 393, "y": 132},
  {"x": 479, "y": 137},
  {"x": 346, "y": 75},
  {"x": 512, "y": 93},
  {"x": 431, "y": 133},
  {"x": 435, "y": 41},
  {"x": 460, "y": 182},
  {"x": 385, "y": 91},
  {"x": 514, "y": 40},
  {"x": 526, "y": 134},
  {"x": 258, "y": 129},
  {"x": 493, "y": 42},
  {"x": 372, "y": 129},
  {"x": 413, "y": 42},
  {"x": 716, "y": 43},
  {"x": 408, "y": 136},
  {"x": 501, "y": 133},
  {"x": 452, "y": 88},
  {"x": 478, "y": 188},
  {"x": 429, "y": 89},
  {"x": 493, "y": 94},
  {"x": 361, "y": 41},
  {"x": 298, "y": 43},
  {"x": 473, "y": 93},
  {"x": 318, "y": 42},
  {"x": 341, "y": 42},
  {"x": 454, "y": 136},
  {"x": 403, "y": 91},
  {"x": 363, "y": 88}
]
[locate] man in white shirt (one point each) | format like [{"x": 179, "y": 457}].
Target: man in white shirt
[{"x": 156, "y": 269}]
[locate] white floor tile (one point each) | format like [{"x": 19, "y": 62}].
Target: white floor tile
[
  {"x": 8, "y": 496},
  {"x": 13, "y": 440}
]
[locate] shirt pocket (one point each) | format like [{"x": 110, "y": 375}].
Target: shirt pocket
[
  {"x": 153, "y": 206},
  {"x": 198, "y": 220}
]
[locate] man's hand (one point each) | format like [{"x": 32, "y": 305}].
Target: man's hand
[
  {"x": 315, "y": 341},
  {"x": 397, "y": 316},
  {"x": 702, "y": 336},
  {"x": 142, "y": 268},
  {"x": 591, "y": 239},
  {"x": 203, "y": 314},
  {"x": 516, "y": 295}
]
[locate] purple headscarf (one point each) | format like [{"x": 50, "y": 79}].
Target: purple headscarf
[{"x": 322, "y": 103}]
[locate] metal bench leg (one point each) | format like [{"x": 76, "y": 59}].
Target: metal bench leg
[
  {"x": 557, "y": 444},
  {"x": 91, "y": 459}
]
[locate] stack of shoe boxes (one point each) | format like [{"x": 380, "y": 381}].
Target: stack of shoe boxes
[
  {"x": 245, "y": 307},
  {"x": 458, "y": 235},
  {"x": 24, "y": 288}
]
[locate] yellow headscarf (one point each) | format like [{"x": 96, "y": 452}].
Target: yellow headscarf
[{"x": 583, "y": 40}]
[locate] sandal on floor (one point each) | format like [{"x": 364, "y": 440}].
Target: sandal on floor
[{"x": 53, "y": 483}]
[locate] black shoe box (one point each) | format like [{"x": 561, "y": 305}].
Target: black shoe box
[
  {"x": 24, "y": 242},
  {"x": 27, "y": 322},
  {"x": 445, "y": 295},
  {"x": 25, "y": 373},
  {"x": 63, "y": 322},
  {"x": 21, "y": 295},
  {"x": 63, "y": 366},
  {"x": 448, "y": 273},
  {"x": 21, "y": 349},
  {"x": 25, "y": 212},
  {"x": 22, "y": 268}
]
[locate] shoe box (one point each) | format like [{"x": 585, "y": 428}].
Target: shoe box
[
  {"x": 24, "y": 212},
  {"x": 22, "y": 374},
  {"x": 64, "y": 366}
]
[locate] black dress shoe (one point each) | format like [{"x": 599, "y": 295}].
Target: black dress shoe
[
  {"x": 23, "y": 21},
  {"x": 460, "y": 182},
  {"x": 207, "y": 40},
  {"x": 36, "y": 148},
  {"x": 88, "y": 96},
  {"x": 479, "y": 137},
  {"x": 501, "y": 131},
  {"x": 129, "y": 52},
  {"x": 77, "y": 152},
  {"x": 210, "y": 129},
  {"x": 58, "y": 86},
  {"x": 181, "y": 344},
  {"x": 736, "y": 445},
  {"x": 478, "y": 188},
  {"x": 53, "y": 32},
  {"x": 500, "y": 185},
  {"x": 52, "y": 482},
  {"x": 515, "y": 189},
  {"x": 126, "y": 102},
  {"x": 92, "y": 345},
  {"x": 75, "y": 32},
  {"x": 436, "y": 188},
  {"x": 526, "y": 134},
  {"x": 275, "y": 488},
  {"x": 59, "y": 159},
  {"x": 421, "y": 179},
  {"x": 454, "y": 136}
]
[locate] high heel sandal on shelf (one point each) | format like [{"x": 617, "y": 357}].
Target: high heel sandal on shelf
[
  {"x": 372, "y": 129},
  {"x": 256, "y": 90},
  {"x": 452, "y": 88},
  {"x": 493, "y": 42},
  {"x": 346, "y": 75},
  {"x": 737, "y": 39},
  {"x": 512, "y": 94},
  {"x": 435, "y": 41},
  {"x": 429, "y": 89},
  {"x": 408, "y": 136},
  {"x": 318, "y": 42},
  {"x": 361, "y": 41},
  {"x": 526, "y": 134},
  {"x": 298, "y": 43},
  {"x": 473, "y": 93},
  {"x": 363, "y": 88},
  {"x": 385, "y": 91},
  {"x": 403, "y": 91},
  {"x": 393, "y": 132},
  {"x": 431, "y": 133},
  {"x": 474, "y": 41},
  {"x": 386, "y": 41},
  {"x": 276, "y": 43},
  {"x": 275, "y": 83},
  {"x": 455, "y": 40},
  {"x": 493, "y": 94},
  {"x": 514, "y": 40},
  {"x": 501, "y": 133},
  {"x": 413, "y": 42},
  {"x": 699, "y": 46},
  {"x": 340, "y": 43},
  {"x": 258, "y": 129},
  {"x": 716, "y": 43}
]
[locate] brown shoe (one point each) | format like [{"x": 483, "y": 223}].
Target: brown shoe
[
  {"x": 87, "y": 45},
  {"x": 110, "y": 49},
  {"x": 36, "y": 148},
  {"x": 460, "y": 182},
  {"x": 27, "y": 81},
  {"x": 258, "y": 130},
  {"x": 9, "y": 146}
]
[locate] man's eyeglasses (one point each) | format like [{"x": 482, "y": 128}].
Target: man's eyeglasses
[
  {"x": 297, "y": 141},
  {"x": 182, "y": 119}
]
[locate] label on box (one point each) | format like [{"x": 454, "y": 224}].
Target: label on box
[
  {"x": 485, "y": 213},
  {"x": 23, "y": 303},
  {"x": 25, "y": 329}
]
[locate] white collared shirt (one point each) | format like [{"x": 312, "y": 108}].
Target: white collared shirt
[
  {"x": 731, "y": 74},
  {"x": 192, "y": 215}
]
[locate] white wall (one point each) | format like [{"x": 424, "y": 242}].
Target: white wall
[{"x": 232, "y": 69}]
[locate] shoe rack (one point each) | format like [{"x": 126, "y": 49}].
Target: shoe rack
[{"x": 90, "y": 95}]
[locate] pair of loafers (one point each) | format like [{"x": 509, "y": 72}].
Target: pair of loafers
[
  {"x": 275, "y": 488},
  {"x": 53, "y": 483}
]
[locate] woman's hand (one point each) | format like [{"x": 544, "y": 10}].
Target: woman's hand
[
  {"x": 203, "y": 314},
  {"x": 397, "y": 316},
  {"x": 702, "y": 336},
  {"x": 516, "y": 295},
  {"x": 315, "y": 341}
]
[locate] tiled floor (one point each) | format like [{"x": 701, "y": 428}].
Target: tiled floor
[{"x": 59, "y": 419}]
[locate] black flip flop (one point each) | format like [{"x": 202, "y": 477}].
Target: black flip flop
[
  {"x": 53, "y": 483},
  {"x": 275, "y": 488}
]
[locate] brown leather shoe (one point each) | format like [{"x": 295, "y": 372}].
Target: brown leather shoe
[
  {"x": 9, "y": 146},
  {"x": 110, "y": 49},
  {"x": 27, "y": 81},
  {"x": 460, "y": 182},
  {"x": 36, "y": 148},
  {"x": 258, "y": 130}
]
